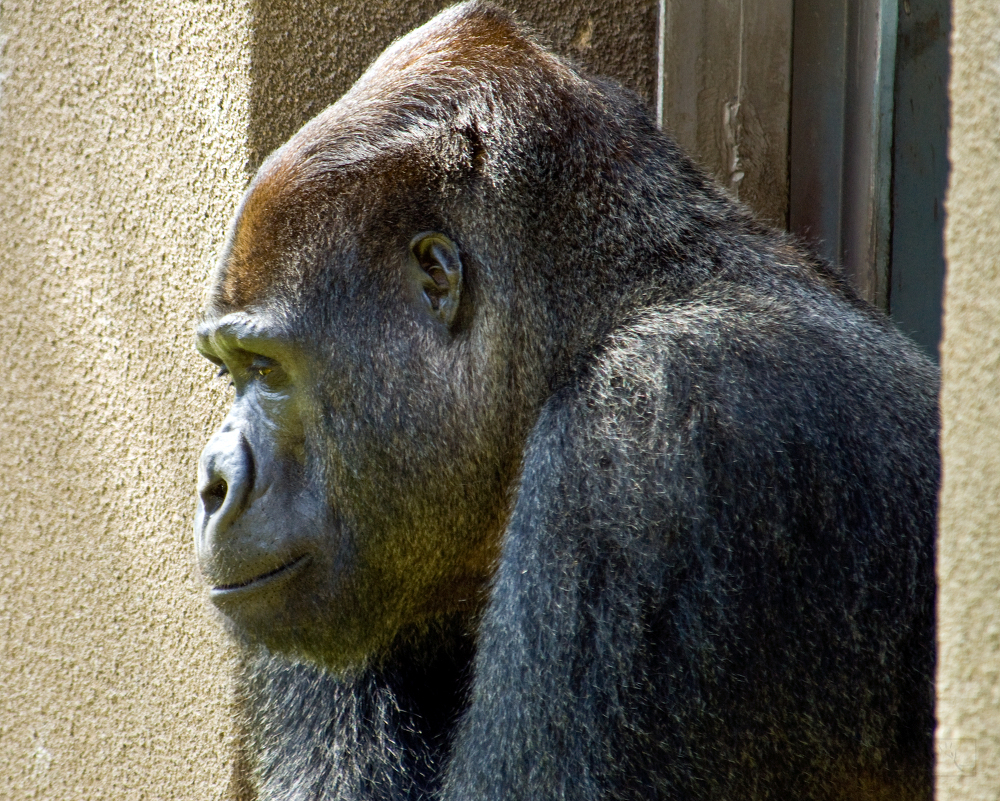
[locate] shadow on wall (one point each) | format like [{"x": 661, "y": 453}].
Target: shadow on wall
[{"x": 307, "y": 53}]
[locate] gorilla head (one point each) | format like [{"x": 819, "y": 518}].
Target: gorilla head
[{"x": 376, "y": 312}]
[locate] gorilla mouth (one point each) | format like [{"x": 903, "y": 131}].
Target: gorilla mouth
[{"x": 220, "y": 591}]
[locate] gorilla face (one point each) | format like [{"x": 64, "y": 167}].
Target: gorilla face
[{"x": 343, "y": 498}]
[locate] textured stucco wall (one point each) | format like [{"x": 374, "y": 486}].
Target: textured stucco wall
[
  {"x": 122, "y": 144},
  {"x": 969, "y": 547}
]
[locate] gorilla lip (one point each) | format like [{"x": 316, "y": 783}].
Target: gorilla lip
[{"x": 221, "y": 591}]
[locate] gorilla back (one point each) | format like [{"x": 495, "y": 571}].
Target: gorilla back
[{"x": 550, "y": 472}]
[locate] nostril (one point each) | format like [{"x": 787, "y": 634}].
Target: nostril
[
  {"x": 213, "y": 496},
  {"x": 225, "y": 480}
]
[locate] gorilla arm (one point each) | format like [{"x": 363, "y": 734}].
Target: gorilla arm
[
  {"x": 562, "y": 643},
  {"x": 669, "y": 563}
]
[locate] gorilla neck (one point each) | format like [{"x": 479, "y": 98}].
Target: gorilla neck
[{"x": 380, "y": 733}]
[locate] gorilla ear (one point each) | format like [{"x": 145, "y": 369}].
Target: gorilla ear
[{"x": 437, "y": 272}]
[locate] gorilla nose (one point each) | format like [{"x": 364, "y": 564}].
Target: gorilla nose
[{"x": 225, "y": 479}]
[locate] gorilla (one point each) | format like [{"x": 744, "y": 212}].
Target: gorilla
[{"x": 550, "y": 472}]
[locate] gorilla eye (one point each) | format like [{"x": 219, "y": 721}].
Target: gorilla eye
[{"x": 267, "y": 370}]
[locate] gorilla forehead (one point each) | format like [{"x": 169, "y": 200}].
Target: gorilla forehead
[
  {"x": 289, "y": 219},
  {"x": 410, "y": 126}
]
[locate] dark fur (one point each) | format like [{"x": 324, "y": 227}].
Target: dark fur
[{"x": 700, "y": 472}]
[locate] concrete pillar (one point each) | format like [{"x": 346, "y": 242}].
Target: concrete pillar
[{"x": 968, "y": 734}]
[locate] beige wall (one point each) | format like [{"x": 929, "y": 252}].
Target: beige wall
[
  {"x": 121, "y": 150},
  {"x": 969, "y": 546}
]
